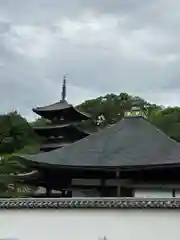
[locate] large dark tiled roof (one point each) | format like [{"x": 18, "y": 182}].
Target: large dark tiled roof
[{"x": 133, "y": 141}]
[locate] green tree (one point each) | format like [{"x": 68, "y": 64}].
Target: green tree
[
  {"x": 9, "y": 182},
  {"x": 39, "y": 122},
  {"x": 168, "y": 120},
  {"x": 15, "y": 133},
  {"x": 113, "y": 107}
]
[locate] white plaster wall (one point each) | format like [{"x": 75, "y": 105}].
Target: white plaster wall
[
  {"x": 157, "y": 193},
  {"x": 90, "y": 224}
]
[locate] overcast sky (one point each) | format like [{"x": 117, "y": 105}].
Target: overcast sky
[{"x": 104, "y": 46}]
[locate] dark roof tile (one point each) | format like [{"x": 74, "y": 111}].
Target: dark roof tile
[{"x": 133, "y": 141}]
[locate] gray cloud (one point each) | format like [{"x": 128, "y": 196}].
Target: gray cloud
[
  {"x": 45, "y": 10},
  {"x": 104, "y": 46}
]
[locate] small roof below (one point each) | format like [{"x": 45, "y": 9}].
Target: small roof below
[
  {"x": 53, "y": 126},
  {"x": 132, "y": 142},
  {"x": 54, "y": 145},
  {"x": 56, "y": 130},
  {"x": 60, "y": 106}
]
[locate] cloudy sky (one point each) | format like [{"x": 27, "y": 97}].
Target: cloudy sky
[{"x": 103, "y": 46}]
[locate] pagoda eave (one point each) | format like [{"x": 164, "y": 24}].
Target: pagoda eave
[
  {"x": 70, "y": 111},
  {"x": 50, "y": 147},
  {"x": 52, "y": 126},
  {"x": 66, "y": 130}
]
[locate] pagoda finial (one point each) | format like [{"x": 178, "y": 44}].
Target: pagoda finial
[{"x": 64, "y": 89}]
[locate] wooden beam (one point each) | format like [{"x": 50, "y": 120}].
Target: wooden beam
[
  {"x": 98, "y": 182},
  {"x": 103, "y": 186},
  {"x": 119, "y": 183},
  {"x": 48, "y": 192}
]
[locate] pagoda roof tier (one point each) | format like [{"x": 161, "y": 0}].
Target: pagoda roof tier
[
  {"x": 61, "y": 109},
  {"x": 131, "y": 143},
  {"x": 57, "y": 130},
  {"x": 52, "y": 146},
  {"x": 56, "y": 140}
]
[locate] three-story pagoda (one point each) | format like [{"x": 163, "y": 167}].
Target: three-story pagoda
[{"x": 62, "y": 128}]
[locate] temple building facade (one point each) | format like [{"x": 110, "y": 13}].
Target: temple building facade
[
  {"x": 132, "y": 158},
  {"x": 61, "y": 129}
]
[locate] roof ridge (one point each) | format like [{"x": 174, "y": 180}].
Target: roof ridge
[{"x": 159, "y": 130}]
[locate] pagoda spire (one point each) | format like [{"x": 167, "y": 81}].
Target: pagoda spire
[{"x": 63, "y": 96}]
